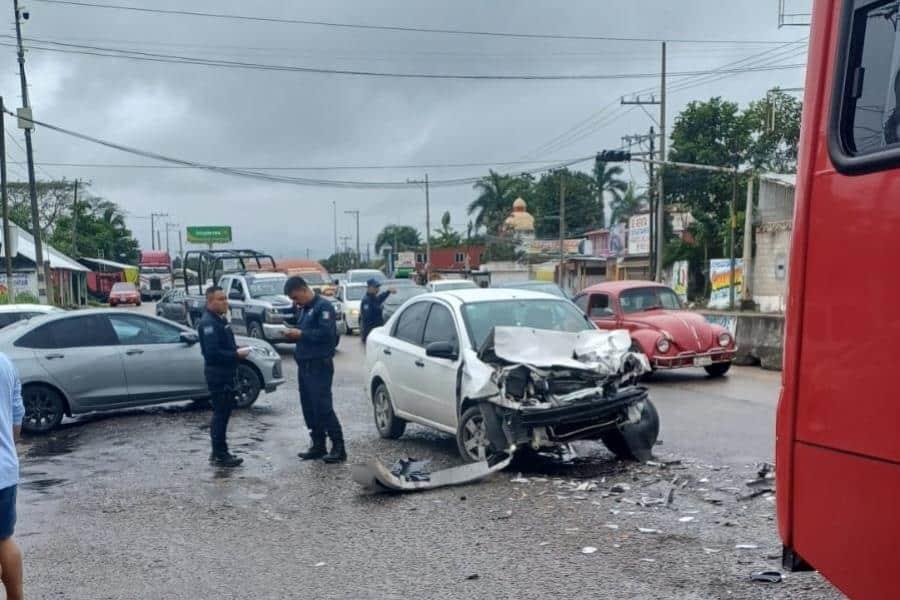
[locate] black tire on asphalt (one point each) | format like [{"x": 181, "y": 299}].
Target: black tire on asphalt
[
  {"x": 718, "y": 369},
  {"x": 389, "y": 426},
  {"x": 249, "y": 386},
  {"x": 44, "y": 409},
  {"x": 648, "y": 426},
  {"x": 471, "y": 425},
  {"x": 256, "y": 331}
]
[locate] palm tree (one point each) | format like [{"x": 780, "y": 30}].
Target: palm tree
[
  {"x": 496, "y": 194},
  {"x": 626, "y": 205},
  {"x": 607, "y": 181}
]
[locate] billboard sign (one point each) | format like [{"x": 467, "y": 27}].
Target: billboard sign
[
  {"x": 720, "y": 278},
  {"x": 209, "y": 234},
  {"x": 639, "y": 234}
]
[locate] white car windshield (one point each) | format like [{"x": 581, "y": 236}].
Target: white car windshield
[
  {"x": 651, "y": 298},
  {"x": 355, "y": 292},
  {"x": 555, "y": 315},
  {"x": 314, "y": 278},
  {"x": 443, "y": 286},
  {"x": 270, "y": 286}
]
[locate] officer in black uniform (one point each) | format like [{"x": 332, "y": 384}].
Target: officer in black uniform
[
  {"x": 221, "y": 355},
  {"x": 371, "y": 309},
  {"x": 316, "y": 337}
]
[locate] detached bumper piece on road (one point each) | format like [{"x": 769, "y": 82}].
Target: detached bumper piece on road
[{"x": 375, "y": 478}]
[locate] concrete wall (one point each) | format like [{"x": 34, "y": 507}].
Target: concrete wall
[
  {"x": 770, "y": 266},
  {"x": 760, "y": 338}
]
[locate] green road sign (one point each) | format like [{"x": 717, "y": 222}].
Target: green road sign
[{"x": 218, "y": 234}]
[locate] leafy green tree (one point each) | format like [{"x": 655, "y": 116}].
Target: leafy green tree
[
  {"x": 403, "y": 236},
  {"x": 774, "y": 125},
  {"x": 609, "y": 183},
  {"x": 101, "y": 232},
  {"x": 627, "y": 205},
  {"x": 446, "y": 236},
  {"x": 496, "y": 194},
  {"x": 583, "y": 211}
]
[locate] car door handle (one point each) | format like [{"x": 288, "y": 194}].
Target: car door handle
[
  {"x": 420, "y": 363},
  {"x": 387, "y": 351},
  {"x": 134, "y": 351},
  {"x": 54, "y": 356}
]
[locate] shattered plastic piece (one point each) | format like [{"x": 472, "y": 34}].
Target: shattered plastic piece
[
  {"x": 320, "y": 564},
  {"x": 711, "y": 550},
  {"x": 411, "y": 469},
  {"x": 767, "y": 577},
  {"x": 620, "y": 488},
  {"x": 520, "y": 479},
  {"x": 587, "y": 486},
  {"x": 648, "y": 530},
  {"x": 374, "y": 477},
  {"x": 685, "y": 519},
  {"x": 648, "y": 560},
  {"x": 588, "y": 550},
  {"x": 544, "y": 544},
  {"x": 746, "y": 547},
  {"x": 506, "y": 515},
  {"x": 473, "y": 577},
  {"x": 611, "y": 526},
  {"x": 757, "y": 494}
]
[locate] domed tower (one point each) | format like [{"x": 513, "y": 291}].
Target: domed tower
[{"x": 520, "y": 222}]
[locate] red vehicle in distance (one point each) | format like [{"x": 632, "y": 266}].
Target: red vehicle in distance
[
  {"x": 670, "y": 336},
  {"x": 124, "y": 293}
]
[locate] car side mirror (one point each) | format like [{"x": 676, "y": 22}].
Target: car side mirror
[
  {"x": 233, "y": 295},
  {"x": 445, "y": 350},
  {"x": 189, "y": 337}
]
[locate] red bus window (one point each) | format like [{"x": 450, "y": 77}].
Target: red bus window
[{"x": 869, "y": 102}]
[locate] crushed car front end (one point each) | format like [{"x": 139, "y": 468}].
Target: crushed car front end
[{"x": 544, "y": 389}]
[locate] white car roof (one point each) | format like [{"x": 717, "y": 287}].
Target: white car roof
[
  {"x": 43, "y": 308},
  {"x": 467, "y": 296},
  {"x": 264, "y": 275}
]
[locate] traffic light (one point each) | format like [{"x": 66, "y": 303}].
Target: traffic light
[{"x": 613, "y": 156}]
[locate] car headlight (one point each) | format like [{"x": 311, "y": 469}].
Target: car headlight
[
  {"x": 724, "y": 339},
  {"x": 273, "y": 315},
  {"x": 266, "y": 351},
  {"x": 663, "y": 345}
]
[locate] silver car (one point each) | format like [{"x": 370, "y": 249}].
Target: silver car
[{"x": 85, "y": 361}]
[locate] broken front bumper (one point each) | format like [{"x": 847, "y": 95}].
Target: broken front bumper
[
  {"x": 579, "y": 420},
  {"x": 693, "y": 359}
]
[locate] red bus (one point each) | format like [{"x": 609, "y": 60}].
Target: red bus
[{"x": 838, "y": 447}]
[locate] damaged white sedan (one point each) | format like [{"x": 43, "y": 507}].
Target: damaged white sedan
[{"x": 508, "y": 368}]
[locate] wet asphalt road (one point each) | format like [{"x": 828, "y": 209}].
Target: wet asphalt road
[{"x": 125, "y": 505}]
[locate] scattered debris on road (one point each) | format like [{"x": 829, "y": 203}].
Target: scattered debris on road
[
  {"x": 374, "y": 477},
  {"x": 767, "y": 577}
]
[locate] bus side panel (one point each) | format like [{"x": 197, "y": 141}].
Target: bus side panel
[
  {"x": 818, "y": 80},
  {"x": 847, "y": 526}
]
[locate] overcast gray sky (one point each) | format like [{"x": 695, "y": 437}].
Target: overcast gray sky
[{"x": 255, "y": 118}]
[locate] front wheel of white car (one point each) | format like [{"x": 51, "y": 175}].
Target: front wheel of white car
[
  {"x": 472, "y": 438},
  {"x": 637, "y": 440},
  {"x": 387, "y": 423}
]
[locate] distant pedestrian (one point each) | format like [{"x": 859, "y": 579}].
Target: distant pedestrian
[
  {"x": 371, "y": 313},
  {"x": 11, "y": 413},
  {"x": 316, "y": 337},
  {"x": 221, "y": 355}
]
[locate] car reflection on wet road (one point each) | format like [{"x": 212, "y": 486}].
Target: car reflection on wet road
[{"x": 125, "y": 505}]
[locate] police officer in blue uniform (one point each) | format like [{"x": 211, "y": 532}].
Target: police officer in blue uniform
[
  {"x": 221, "y": 356},
  {"x": 316, "y": 337},
  {"x": 371, "y": 310}
]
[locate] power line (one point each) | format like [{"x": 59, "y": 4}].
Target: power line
[
  {"x": 280, "y": 178},
  {"x": 124, "y": 53},
  {"x": 399, "y": 28}
]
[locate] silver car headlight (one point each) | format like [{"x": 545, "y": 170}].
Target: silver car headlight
[
  {"x": 663, "y": 345},
  {"x": 724, "y": 339},
  {"x": 266, "y": 351},
  {"x": 273, "y": 315}
]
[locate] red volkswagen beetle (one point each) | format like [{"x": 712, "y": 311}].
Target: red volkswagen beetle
[
  {"x": 670, "y": 336},
  {"x": 124, "y": 293}
]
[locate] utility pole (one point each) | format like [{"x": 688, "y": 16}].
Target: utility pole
[
  {"x": 7, "y": 251},
  {"x": 746, "y": 291},
  {"x": 654, "y": 252},
  {"x": 334, "y": 206},
  {"x": 562, "y": 228},
  {"x": 355, "y": 213},
  {"x": 27, "y": 124},
  {"x": 169, "y": 227},
  {"x": 660, "y": 185},
  {"x": 427, "y": 222},
  {"x": 154, "y": 238},
  {"x": 732, "y": 226},
  {"x": 75, "y": 222},
  {"x": 159, "y": 239},
  {"x": 180, "y": 246}
]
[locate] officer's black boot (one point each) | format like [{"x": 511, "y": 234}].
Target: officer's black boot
[
  {"x": 220, "y": 457},
  {"x": 317, "y": 450},
  {"x": 338, "y": 453}
]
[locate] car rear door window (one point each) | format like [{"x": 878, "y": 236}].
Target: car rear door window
[
  {"x": 71, "y": 332},
  {"x": 599, "y": 307},
  {"x": 440, "y": 326},
  {"x": 411, "y": 323},
  {"x": 137, "y": 330}
]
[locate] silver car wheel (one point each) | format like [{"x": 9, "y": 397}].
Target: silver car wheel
[
  {"x": 474, "y": 438},
  {"x": 383, "y": 412}
]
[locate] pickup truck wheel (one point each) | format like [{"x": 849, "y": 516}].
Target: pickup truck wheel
[
  {"x": 471, "y": 436},
  {"x": 387, "y": 423},
  {"x": 44, "y": 409},
  {"x": 256, "y": 331},
  {"x": 647, "y": 427},
  {"x": 718, "y": 369},
  {"x": 249, "y": 386}
]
